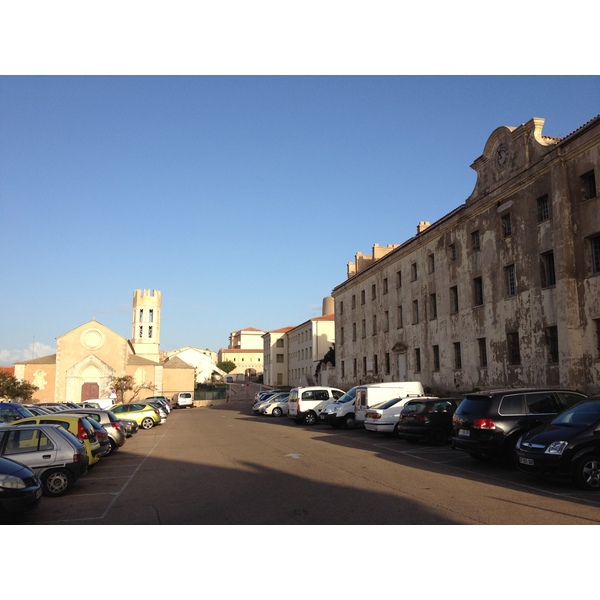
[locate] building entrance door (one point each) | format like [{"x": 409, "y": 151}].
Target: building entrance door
[{"x": 89, "y": 390}]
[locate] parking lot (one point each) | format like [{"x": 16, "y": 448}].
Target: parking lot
[{"x": 223, "y": 465}]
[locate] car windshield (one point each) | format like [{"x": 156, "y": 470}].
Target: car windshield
[
  {"x": 580, "y": 415},
  {"x": 349, "y": 396}
]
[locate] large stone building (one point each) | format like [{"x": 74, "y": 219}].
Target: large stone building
[
  {"x": 91, "y": 355},
  {"x": 502, "y": 291}
]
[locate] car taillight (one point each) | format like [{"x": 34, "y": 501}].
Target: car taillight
[
  {"x": 82, "y": 434},
  {"x": 116, "y": 426},
  {"x": 484, "y": 424},
  {"x": 78, "y": 457}
]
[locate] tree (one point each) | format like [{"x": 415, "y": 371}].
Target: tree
[
  {"x": 328, "y": 358},
  {"x": 127, "y": 384},
  {"x": 227, "y": 366},
  {"x": 13, "y": 388}
]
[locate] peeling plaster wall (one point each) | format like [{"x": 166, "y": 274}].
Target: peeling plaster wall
[{"x": 518, "y": 167}]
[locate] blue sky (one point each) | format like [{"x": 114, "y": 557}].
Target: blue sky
[{"x": 241, "y": 198}]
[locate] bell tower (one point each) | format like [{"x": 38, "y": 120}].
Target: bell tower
[{"x": 145, "y": 332}]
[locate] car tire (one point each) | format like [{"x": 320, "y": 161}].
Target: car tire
[
  {"x": 113, "y": 446},
  {"x": 56, "y": 482},
  {"x": 395, "y": 433},
  {"x": 277, "y": 412},
  {"x": 437, "y": 437},
  {"x": 587, "y": 473},
  {"x": 147, "y": 423},
  {"x": 350, "y": 422},
  {"x": 310, "y": 418}
]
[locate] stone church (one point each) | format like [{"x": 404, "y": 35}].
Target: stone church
[{"x": 88, "y": 358}]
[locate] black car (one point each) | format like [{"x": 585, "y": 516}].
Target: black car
[
  {"x": 567, "y": 447},
  {"x": 20, "y": 489},
  {"x": 427, "y": 420},
  {"x": 488, "y": 424}
]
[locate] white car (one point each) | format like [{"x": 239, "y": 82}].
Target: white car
[
  {"x": 276, "y": 406},
  {"x": 385, "y": 416}
]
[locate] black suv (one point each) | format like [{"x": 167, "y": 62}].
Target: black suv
[
  {"x": 488, "y": 424},
  {"x": 427, "y": 419},
  {"x": 567, "y": 447}
]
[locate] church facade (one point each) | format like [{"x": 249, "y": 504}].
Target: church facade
[{"x": 90, "y": 356}]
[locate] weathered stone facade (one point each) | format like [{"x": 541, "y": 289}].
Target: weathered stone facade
[{"x": 502, "y": 291}]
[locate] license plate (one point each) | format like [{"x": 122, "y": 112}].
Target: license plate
[
  {"x": 526, "y": 461},
  {"x": 464, "y": 432}
]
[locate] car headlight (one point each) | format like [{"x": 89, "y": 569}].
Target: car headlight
[
  {"x": 10, "y": 482},
  {"x": 518, "y": 444},
  {"x": 556, "y": 448}
]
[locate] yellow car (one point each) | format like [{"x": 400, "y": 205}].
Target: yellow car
[
  {"x": 78, "y": 426},
  {"x": 145, "y": 415}
]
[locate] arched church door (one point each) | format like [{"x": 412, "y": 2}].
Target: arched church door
[{"x": 89, "y": 391}]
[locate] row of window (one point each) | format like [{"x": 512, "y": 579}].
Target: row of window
[
  {"x": 513, "y": 355},
  {"x": 547, "y": 279}
]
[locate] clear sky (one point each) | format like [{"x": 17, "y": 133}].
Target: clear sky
[{"x": 241, "y": 198}]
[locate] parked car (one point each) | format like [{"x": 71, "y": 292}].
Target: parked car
[
  {"x": 114, "y": 427},
  {"x": 20, "y": 489},
  {"x": 103, "y": 403},
  {"x": 12, "y": 411},
  {"x": 129, "y": 425},
  {"x": 264, "y": 400},
  {"x": 488, "y": 424},
  {"x": 37, "y": 410},
  {"x": 306, "y": 403},
  {"x": 161, "y": 410},
  {"x": 101, "y": 436},
  {"x": 566, "y": 448},
  {"x": 276, "y": 405},
  {"x": 182, "y": 400},
  {"x": 54, "y": 454},
  {"x": 370, "y": 395},
  {"x": 427, "y": 419},
  {"x": 78, "y": 425},
  {"x": 163, "y": 400},
  {"x": 384, "y": 417},
  {"x": 143, "y": 414}
]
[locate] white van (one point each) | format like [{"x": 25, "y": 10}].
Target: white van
[
  {"x": 350, "y": 409},
  {"x": 183, "y": 400},
  {"x": 305, "y": 403}
]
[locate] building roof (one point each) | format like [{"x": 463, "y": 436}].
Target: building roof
[
  {"x": 176, "y": 363},
  {"x": 10, "y": 371},
  {"x": 42, "y": 360},
  {"x": 134, "y": 359},
  {"x": 241, "y": 351}
]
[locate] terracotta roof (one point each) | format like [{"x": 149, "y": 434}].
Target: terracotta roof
[
  {"x": 324, "y": 318},
  {"x": 133, "y": 359},
  {"x": 282, "y": 330},
  {"x": 240, "y": 351},
  {"x": 176, "y": 363},
  {"x": 43, "y": 360},
  {"x": 7, "y": 371}
]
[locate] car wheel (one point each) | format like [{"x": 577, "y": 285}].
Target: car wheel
[
  {"x": 350, "y": 422},
  {"x": 437, "y": 437},
  {"x": 113, "y": 446},
  {"x": 587, "y": 473},
  {"x": 310, "y": 418},
  {"x": 277, "y": 412},
  {"x": 56, "y": 482},
  {"x": 395, "y": 432},
  {"x": 147, "y": 423}
]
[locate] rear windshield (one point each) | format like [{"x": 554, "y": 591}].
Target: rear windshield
[
  {"x": 413, "y": 407},
  {"x": 474, "y": 405},
  {"x": 389, "y": 403}
]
